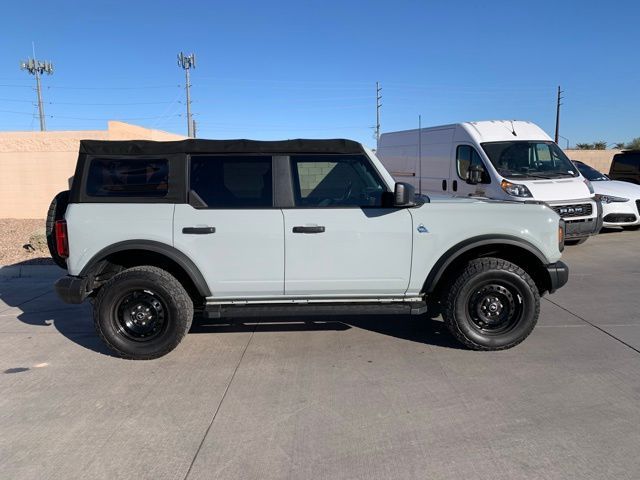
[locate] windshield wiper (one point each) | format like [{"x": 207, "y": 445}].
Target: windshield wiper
[{"x": 533, "y": 175}]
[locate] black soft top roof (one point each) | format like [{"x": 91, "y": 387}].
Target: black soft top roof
[{"x": 149, "y": 147}]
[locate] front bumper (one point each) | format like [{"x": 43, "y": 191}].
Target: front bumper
[
  {"x": 558, "y": 275},
  {"x": 584, "y": 227},
  {"x": 72, "y": 289},
  {"x": 619, "y": 214}
]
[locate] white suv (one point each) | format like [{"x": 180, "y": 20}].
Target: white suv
[{"x": 152, "y": 231}]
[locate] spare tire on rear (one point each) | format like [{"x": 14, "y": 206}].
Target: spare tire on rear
[{"x": 57, "y": 208}]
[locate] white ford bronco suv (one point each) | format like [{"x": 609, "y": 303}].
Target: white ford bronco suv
[{"x": 152, "y": 232}]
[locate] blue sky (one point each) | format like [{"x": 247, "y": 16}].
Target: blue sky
[{"x": 287, "y": 69}]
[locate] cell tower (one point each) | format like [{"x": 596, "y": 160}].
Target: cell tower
[
  {"x": 37, "y": 68},
  {"x": 187, "y": 62}
]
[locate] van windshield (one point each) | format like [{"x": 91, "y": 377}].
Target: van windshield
[{"x": 529, "y": 159}]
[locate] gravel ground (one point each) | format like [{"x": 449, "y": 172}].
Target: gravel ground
[{"x": 16, "y": 234}]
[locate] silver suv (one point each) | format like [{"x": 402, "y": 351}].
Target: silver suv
[{"x": 153, "y": 231}]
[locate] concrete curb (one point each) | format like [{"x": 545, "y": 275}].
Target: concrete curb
[{"x": 30, "y": 271}]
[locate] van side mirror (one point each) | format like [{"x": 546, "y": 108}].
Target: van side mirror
[
  {"x": 474, "y": 174},
  {"x": 404, "y": 195}
]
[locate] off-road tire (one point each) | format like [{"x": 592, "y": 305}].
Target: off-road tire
[
  {"x": 177, "y": 307},
  {"x": 476, "y": 275},
  {"x": 57, "y": 208}
]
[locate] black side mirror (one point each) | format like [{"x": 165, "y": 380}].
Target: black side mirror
[
  {"x": 404, "y": 195},
  {"x": 474, "y": 174}
]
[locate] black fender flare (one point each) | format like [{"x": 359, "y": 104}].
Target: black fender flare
[
  {"x": 156, "y": 247},
  {"x": 463, "y": 247}
]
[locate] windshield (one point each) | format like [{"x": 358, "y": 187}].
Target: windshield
[
  {"x": 590, "y": 173},
  {"x": 529, "y": 159}
]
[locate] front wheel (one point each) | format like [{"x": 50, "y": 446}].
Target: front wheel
[
  {"x": 142, "y": 313},
  {"x": 492, "y": 305}
]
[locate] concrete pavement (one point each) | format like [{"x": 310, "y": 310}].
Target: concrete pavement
[{"x": 331, "y": 397}]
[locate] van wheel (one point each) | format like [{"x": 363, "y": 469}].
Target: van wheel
[
  {"x": 57, "y": 208},
  {"x": 142, "y": 313},
  {"x": 492, "y": 305}
]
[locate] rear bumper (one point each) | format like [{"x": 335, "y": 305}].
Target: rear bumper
[
  {"x": 558, "y": 275},
  {"x": 72, "y": 289}
]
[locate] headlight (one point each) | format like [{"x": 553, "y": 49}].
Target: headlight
[
  {"x": 515, "y": 189},
  {"x": 589, "y": 186},
  {"x": 610, "y": 198}
]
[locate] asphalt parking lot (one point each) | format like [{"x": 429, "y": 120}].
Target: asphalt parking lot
[{"x": 332, "y": 397}]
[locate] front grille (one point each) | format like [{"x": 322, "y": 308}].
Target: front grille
[
  {"x": 620, "y": 218},
  {"x": 570, "y": 211}
]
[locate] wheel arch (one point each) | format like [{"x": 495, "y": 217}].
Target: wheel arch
[
  {"x": 513, "y": 249},
  {"x": 131, "y": 253}
]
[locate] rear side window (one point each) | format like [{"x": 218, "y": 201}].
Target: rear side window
[
  {"x": 116, "y": 177},
  {"x": 232, "y": 181}
]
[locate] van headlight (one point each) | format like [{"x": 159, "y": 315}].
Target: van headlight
[
  {"x": 515, "y": 189},
  {"x": 610, "y": 199},
  {"x": 589, "y": 186}
]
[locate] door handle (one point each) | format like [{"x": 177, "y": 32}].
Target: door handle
[
  {"x": 198, "y": 230},
  {"x": 314, "y": 229}
]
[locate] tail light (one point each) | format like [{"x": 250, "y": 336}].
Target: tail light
[{"x": 62, "y": 239}]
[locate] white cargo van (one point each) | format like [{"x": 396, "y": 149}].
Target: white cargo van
[{"x": 504, "y": 160}]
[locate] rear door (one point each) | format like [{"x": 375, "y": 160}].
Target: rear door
[
  {"x": 339, "y": 240},
  {"x": 230, "y": 228}
]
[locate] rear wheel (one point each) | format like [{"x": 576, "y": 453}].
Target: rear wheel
[
  {"x": 492, "y": 305},
  {"x": 142, "y": 313},
  {"x": 57, "y": 208}
]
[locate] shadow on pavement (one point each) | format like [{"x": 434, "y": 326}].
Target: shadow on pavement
[
  {"x": 39, "y": 306},
  {"x": 420, "y": 328}
]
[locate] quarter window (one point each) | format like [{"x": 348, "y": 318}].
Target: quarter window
[
  {"x": 232, "y": 181},
  {"x": 335, "y": 181},
  {"x": 113, "y": 177}
]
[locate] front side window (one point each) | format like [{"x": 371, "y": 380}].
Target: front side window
[
  {"x": 466, "y": 156},
  {"x": 335, "y": 181},
  {"x": 139, "y": 177},
  {"x": 529, "y": 159},
  {"x": 232, "y": 181}
]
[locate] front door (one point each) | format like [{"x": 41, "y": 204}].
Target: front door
[
  {"x": 339, "y": 241},
  {"x": 230, "y": 229}
]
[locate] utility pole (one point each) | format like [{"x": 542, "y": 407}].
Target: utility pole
[
  {"x": 187, "y": 62},
  {"x": 378, "y": 105},
  {"x": 558, "y": 103},
  {"x": 37, "y": 68},
  {"x": 420, "y": 154}
]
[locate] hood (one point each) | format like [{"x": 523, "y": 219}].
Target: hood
[
  {"x": 617, "y": 189},
  {"x": 557, "y": 189}
]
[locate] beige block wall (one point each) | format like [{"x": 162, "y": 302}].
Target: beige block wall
[
  {"x": 34, "y": 166},
  {"x": 598, "y": 159}
]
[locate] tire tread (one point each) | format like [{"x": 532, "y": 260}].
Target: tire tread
[
  {"x": 178, "y": 294},
  {"x": 473, "y": 268}
]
